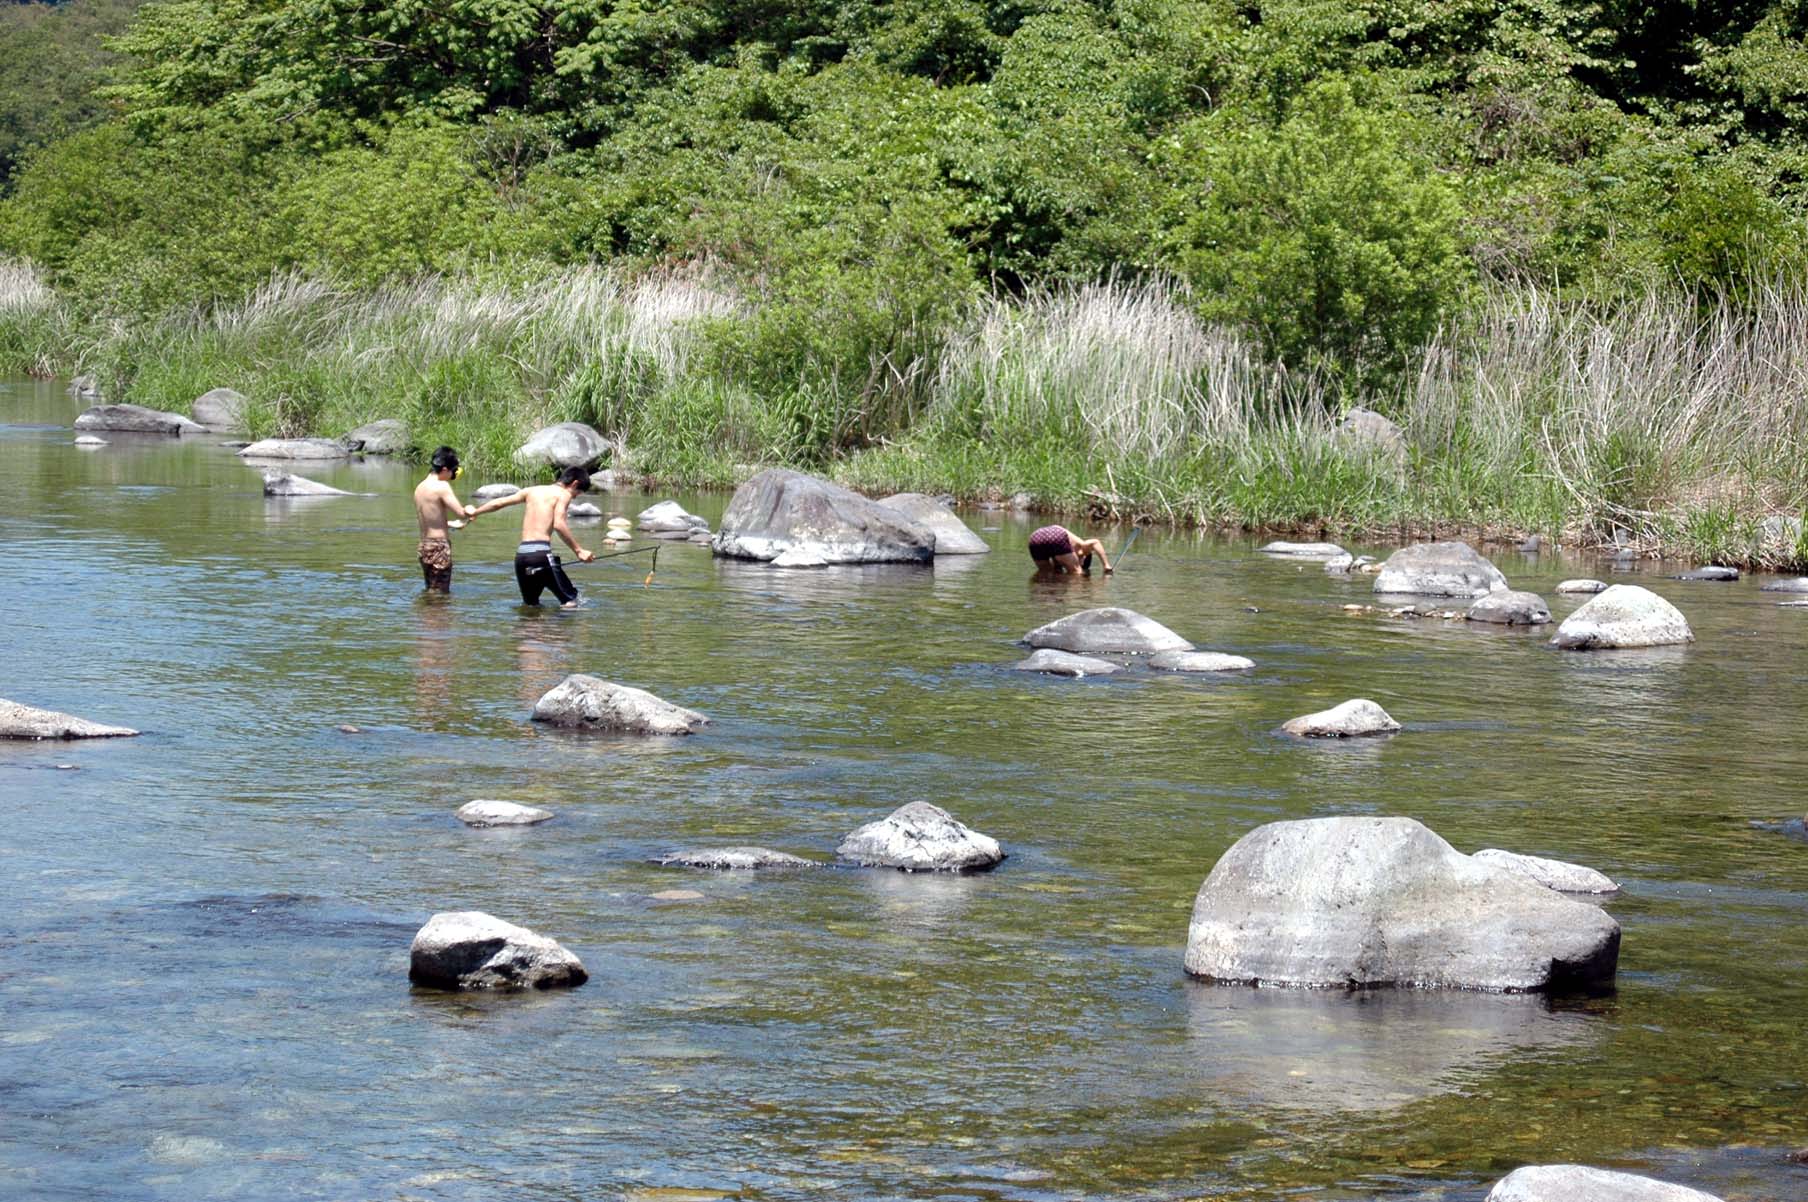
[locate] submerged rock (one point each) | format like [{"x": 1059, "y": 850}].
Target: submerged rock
[
  {"x": 588, "y": 703},
  {"x": 26, "y": 722},
  {"x": 952, "y": 536},
  {"x": 725, "y": 859},
  {"x": 920, "y": 837},
  {"x": 468, "y": 949},
  {"x": 136, "y": 419},
  {"x": 287, "y": 484},
  {"x": 1578, "y": 1183},
  {"x": 1287, "y": 550},
  {"x": 1199, "y": 661},
  {"x": 1511, "y": 608},
  {"x": 1367, "y": 902},
  {"x": 1708, "y": 573},
  {"x": 1552, "y": 874},
  {"x": 1624, "y": 616},
  {"x": 1108, "y": 629},
  {"x": 793, "y": 520},
  {"x": 500, "y": 813},
  {"x": 1447, "y": 569},
  {"x": 493, "y": 492},
  {"x": 568, "y": 444},
  {"x": 221, "y": 410},
  {"x": 295, "y": 448},
  {"x": 1358, "y": 716},
  {"x": 669, "y": 517},
  {"x": 1582, "y": 586},
  {"x": 386, "y": 437},
  {"x": 1065, "y": 663}
]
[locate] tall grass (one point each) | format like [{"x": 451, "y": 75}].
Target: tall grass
[{"x": 33, "y": 321}]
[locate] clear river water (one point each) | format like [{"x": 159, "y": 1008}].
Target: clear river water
[{"x": 204, "y": 931}]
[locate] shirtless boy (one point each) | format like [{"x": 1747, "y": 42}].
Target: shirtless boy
[
  {"x": 536, "y": 567},
  {"x": 436, "y": 504}
]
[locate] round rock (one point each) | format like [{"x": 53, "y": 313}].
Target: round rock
[
  {"x": 1367, "y": 431},
  {"x": 920, "y": 837},
  {"x": 1446, "y": 569},
  {"x": 1625, "y": 615},
  {"x": 568, "y": 444},
  {"x": 1356, "y": 717},
  {"x": 493, "y": 492},
  {"x": 584, "y": 702},
  {"x": 221, "y": 410},
  {"x": 468, "y": 949},
  {"x": 727, "y": 859},
  {"x": 1065, "y": 663},
  {"x": 952, "y": 536},
  {"x": 1582, "y": 586},
  {"x": 586, "y": 510},
  {"x": 1552, "y": 874},
  {"x": 1199, "y": 661},
  {"x": 386, "y": 437},
  {"x": 500, "y": 813},
  {"x": 1579, "y": 1183},
  {"x": 1109, "y": 629},
  {"x": 669, "y": 517},
  {"x": 1511, "y": 608}
]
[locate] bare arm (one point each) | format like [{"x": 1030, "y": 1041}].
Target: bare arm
[
  {"x": 1092, "y": 546},
  {"x": 499, "y": 503},
  {"x": 454, "y": 508},
  {"x": 564, "y": 531}
]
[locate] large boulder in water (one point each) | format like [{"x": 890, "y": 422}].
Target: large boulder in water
[
  {"x": 386, "y": 437},
  {"x": 295, "y": 448},
  {"x": 26, "y": 722},
  {"x": 1624, "y": 616},
  {"x": 568, "y": 444},
  {"x": 920, "y": 837},
  {"x": 1366, "y": 902},
  {"x": 468, "y": 949},
  {"x": 952, "y": 536},
  {"x": 1579, "y": 1183},
  {"x": 1560, "y": 875},
  {"x": 669, "y": 517},
  {"x": 1448, "y": 569},
  {"x": 221, "y": 410},
  {"x": 1355, "y": 717},
  {"x": 1511, "y": 608},
  {"x": 136, "y": 419},
  {"x": 1107, "y": 630},
  {"x": 801, "y": 521},
  {"x": 588, "y": 703},
  {"x": 287, "y": 484}
]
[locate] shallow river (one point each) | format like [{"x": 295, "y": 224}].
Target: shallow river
[{"x": 204, "y": 931}]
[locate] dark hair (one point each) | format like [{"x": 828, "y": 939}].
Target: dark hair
[
  {"x": 445, "y": 460},
  {"x": 577, "y": 476}
]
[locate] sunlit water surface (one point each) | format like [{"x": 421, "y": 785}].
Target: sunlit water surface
[{"x": 204, "y": 931}]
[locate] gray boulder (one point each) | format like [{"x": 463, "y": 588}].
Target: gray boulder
[
  {"x": 1065, "y": 663},
  {"x": 136, "y": 419},
  {"x": 1356, "y": 717},
  {"x": 1367, "y": 902},
  {"x": 221, "y": 410},
  {"x": 1109, "y": 630},
  {"x": 25, "y": 722},
  {"x": 1578, "y": 1183},
  {"x": 1623, "y": 616},
  {"x": 1343, "y": 565},
  {"x": 669, "y": 517},
  {"x": 500, "y": 813},
  {"x": 568, "y": 444},
  {"x": 1552, "y": 874},
  {"x": 1582, "y": 586},
  {"x": 585, "y": 510},
  {"x": 793, "y": 520},
  {"x": 468, "y": 949},
  {"x": 1511, "y": 608},
  {"x": 1447, "y": 569},
  {"x": 725, "y": 859},
  {"x": 286, "y": 484},
  {"x": 588, "y": 703},
  {"x": 920, "y": 837},
  {"x": 386, "y": 437},
  {"x": 1779, "y": 532},
  {"x": 1714, "y": 572},
  {"x": 1286, "y": 550},
  {"x": 1199, "y": 661},
  {"x": 295, "y": 448},
  {"x": 83, "y": 387},
  {"x": 1365, "y": 430},
  {"x": 952, "y": 536},
  {"x": 493, "y": 492}
]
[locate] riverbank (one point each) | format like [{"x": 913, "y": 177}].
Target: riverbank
[{"x": 1658, "y": 424}]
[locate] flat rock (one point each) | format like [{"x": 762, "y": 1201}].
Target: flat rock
[
  {"x": 1199, "y": 661},
  {"x": 1287, "y": 550},
  {"x": 1511, "y": 608},
  {"x": 287, "y": 484},
  {"x": 1708, "y": 573},
  {"x": 952, "y": 536},
  {"x": 1065, "y": 663},
  {"x": 1578, "y": 1183},
  {"x": 492, "y": 492},
  {"x": 386, "y": 437},
  {"x": 500, "y": 813},
  {"x": 1368, "y": 902},
  {"x": 1552, "y": 874},
  {"x": 1447, "y": 569},
  {"x": 920, "y": 837},
  {"x": 725, "y": 859},
  {"x": 1109, "y": 629},
  {"x": 792, "y": 520},
  {"x": 136, "y": 419},
  {"x": 669, "y": 517},
  {"x": 468, "y": 949},
  {"x": 26, "y": 722},
  {"x": 1358, "y": 716},
  {"x": 90, "y": 440},
  {"x": 221, "y": 410},
  {"x": 295, "y": 448},
  {"x": 1582, "y": 586},
  {"x": 1626, "y": 615},
  {"x": 588, "y": 703},
  {"x": 568, "y": 444}
]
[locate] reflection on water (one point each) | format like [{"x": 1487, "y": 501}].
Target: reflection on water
[{"x": 204, "y": 932}]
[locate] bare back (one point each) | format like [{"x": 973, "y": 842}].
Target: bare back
[
  {"x": 434, "y": 503},
  {"x": 546, "y": 504}
]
